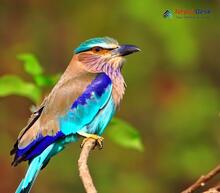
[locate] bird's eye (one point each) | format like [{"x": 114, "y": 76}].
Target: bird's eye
[{"x": 97, "y": 49}]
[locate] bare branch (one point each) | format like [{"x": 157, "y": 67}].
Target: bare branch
[
  {"x": 83, "y": 167},
  {"x": 216, "y": 189},
  {"x": 202, "y": 181}
]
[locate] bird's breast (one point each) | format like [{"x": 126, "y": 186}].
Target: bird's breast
[{"x": 118, "y": 90}]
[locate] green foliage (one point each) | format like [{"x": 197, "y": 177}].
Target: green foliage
[
  {"x": 14, "y": 85},
  {"x": 120, "y": 132},
  {"x": 46, "y": 81},
  {"x": 33, "y": 67},
  {"x": 31, "y": 64},
  {"x": 123, "y": 134}
]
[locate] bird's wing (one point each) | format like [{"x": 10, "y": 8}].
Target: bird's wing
[
  {"x": 33, "y": 118},
  {"x": 87, "y": 106},
  {"x": 65, "y": 112}
]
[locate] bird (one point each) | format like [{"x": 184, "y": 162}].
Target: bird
[{"x": 81, "y": 104}]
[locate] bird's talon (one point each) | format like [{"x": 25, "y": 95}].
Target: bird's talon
[{"x": 99, "y": 141}]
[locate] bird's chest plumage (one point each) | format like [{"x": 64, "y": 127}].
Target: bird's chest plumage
[{"x": 92, "y": 110}]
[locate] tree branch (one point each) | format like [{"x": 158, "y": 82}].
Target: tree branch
[
  {"x": 83, "y": 167},
  {"x": 202, "y": 181},
  {"x": 216, "y": 189}
]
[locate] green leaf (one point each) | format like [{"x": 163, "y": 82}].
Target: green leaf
[
  {"x": 46, "y": 80},
  {"x": 13, "y": 85},
  {"x": 122, "y": 133},
  {"x": 31, "y": 64}
]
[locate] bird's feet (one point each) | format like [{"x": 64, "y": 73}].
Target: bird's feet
[{"x": 99, "y": 139}]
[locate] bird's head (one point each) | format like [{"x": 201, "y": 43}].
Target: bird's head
[{"x": 103, "y": 54}]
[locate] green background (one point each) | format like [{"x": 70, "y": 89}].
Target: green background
[{"x": 173, "y": 94}]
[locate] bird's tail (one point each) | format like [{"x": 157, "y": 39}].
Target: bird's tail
[{"x": 34, "y": 168}]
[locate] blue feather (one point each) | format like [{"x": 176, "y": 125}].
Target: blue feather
[
  {"x": 98, "y": 86},
  {"x": 104, "y": 42},
  {"x": 38, "y": 145},
  {"x": 103, "y": 117}
]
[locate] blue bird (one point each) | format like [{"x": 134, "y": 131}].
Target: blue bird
[{"x": 82, "y": 103}]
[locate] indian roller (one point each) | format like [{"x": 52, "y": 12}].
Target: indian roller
[{"x": 82, "y": 103}]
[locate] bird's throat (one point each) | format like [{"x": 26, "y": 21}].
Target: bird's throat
[{"x": 119, "y": 85}]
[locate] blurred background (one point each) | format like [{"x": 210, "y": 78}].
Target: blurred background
[{"x": 173, "y": 94}]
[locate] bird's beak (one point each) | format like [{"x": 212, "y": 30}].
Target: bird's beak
[{"x": 124, "y": 50}]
